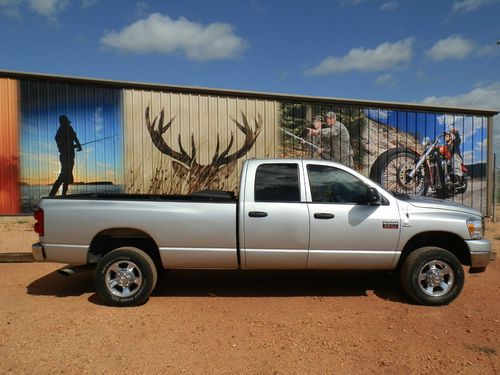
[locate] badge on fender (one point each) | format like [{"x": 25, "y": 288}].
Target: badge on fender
[{"x": 391, "y": 224}]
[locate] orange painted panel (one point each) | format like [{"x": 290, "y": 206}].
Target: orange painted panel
[{"x": 9, "y": 147}]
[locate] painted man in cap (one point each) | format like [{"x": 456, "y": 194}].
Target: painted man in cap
[
  {"x": 314, "y": 135},
  {"x": 336, "y": 141},
  {"x": 67, "y": 141}
]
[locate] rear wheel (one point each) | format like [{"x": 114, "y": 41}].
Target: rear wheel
[
  {"x": 432, "y": 276},
  {"x": 125, "y": 277}
]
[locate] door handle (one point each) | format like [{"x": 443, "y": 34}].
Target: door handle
[
  {"x": 322, "y": 215},
  {"x": 257, "y": 214}
]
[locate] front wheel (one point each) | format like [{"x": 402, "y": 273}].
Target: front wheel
[
  {"x": 432, "y": 276},
  {"x": 125, "y": 277},
  {"x": 392, "y": 170}
]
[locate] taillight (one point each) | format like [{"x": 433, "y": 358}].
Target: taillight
[{"x": 39, "y": 221}]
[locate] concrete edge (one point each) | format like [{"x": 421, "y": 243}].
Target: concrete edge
[{"x": 16, "y": 258}]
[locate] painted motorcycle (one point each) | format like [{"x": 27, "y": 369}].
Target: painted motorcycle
[{"x": 405, "y": 171}]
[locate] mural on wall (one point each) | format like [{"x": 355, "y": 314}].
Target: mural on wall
[
  {"x": 71, "y": 141},
  {"x": 190, "y": 142},
  {"x": 428, "y": 154},
  {"x": 61, "y": 138},
  {"x": 185, "y": 166}
]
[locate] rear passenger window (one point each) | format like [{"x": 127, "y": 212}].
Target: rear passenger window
[{"x": 277, "y": 183}]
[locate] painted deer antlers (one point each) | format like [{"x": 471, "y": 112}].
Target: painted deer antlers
[{"x": 157, "y": 128}]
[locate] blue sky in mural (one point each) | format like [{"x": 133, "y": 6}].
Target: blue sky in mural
[
  {"x": 436, "y": 52},
  {"x": 95, "y": 115}
]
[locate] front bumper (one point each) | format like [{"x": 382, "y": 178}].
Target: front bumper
[
  {"x": 480, "y": 253},
  {"x": 38, "y": 252}
]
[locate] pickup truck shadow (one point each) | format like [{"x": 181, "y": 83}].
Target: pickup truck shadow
[
  {"x": 55, "y": 284},
  {"x": 272, "y": 283}
]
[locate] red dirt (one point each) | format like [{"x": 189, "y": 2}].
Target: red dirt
[{"x": 243, "y": 322}]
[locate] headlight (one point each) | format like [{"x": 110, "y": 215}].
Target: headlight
[{"x": 476, "y": 228}]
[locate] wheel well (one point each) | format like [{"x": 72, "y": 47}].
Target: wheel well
[
  {"x": 110, "y": 239},
  {"x": 445, "y": 240}
]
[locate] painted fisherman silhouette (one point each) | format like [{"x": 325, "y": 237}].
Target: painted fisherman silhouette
[{"x": 67, "y": 141}]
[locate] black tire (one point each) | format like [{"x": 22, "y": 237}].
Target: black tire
[
  {"x": 125, "y": 277},
  {"x": 397, "y": 163},
  {"x": 432, "y": 276}
]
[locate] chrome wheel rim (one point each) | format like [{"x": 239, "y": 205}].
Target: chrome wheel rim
[
  {"x": 436, "y": 278},
  {"x": 123, "y": 278}
]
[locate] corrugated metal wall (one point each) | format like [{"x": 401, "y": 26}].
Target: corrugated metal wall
[
  {"x": 128, "y": 145},
  {"x": 380, "y": 138},
  {"x": 9, "y": 147},
  {"x": 198, "y": 120},
  {"x": 95, "y": 116}
]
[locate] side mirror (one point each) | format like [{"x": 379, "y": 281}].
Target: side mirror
[{"x": 372, "y": 195}]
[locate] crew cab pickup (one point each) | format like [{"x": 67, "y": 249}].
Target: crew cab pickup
[{"x": 290, "y": 214}]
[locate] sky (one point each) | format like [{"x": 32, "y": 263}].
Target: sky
[{"x": 422, "y": 51}]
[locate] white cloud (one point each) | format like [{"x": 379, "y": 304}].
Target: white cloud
[
  {"x": 351, "y": 2},
  {"x": 10, "y": 8},
  {"x": 46, "y": 8},
  {"x": 9, "y": 3},
  {"x": 88, "y": 3},
  {"x": 385, "y": 56},
  {"x": 465, "y": 6},
  {"x": 99, "y": 120},
  {"x": 468, "y": 157},
  {"x": 161, "y": 34},
  {"x": 453, "y": 47},
  {"x": 389, "y": 6},
  {"x": 487, "y": 97},
  {"x": 385, "y": 79},
  {"x": 488, "y": 50},
  {"x": 482, "y": 145}
]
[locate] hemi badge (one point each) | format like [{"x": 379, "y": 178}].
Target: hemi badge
[{"x": 390, "y": 224}]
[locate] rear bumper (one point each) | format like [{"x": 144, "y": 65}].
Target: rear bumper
[
  {"x": 38, "y": 252},
  {"x": 480, "y": 254}
]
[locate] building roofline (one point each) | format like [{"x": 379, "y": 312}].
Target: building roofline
[{"x": 252, "y": 94}]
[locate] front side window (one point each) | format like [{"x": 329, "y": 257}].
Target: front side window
[
  {"x": 277, "y": 183},
  {"x": 334, "y": 185}
]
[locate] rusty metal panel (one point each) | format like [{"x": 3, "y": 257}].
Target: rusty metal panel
[{"x": 9, "y": 147}]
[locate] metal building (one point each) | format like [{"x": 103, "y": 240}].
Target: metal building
[{"x": 150, "y": 138}]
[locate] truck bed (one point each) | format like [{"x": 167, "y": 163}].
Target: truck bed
[
  {"x": 199, "y": 196},
  {"x": 187, "y": 235}
]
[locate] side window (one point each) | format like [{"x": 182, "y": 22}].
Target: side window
[
  {"x": 330, "y": 184},
  {"x": 277, "y": 183}
]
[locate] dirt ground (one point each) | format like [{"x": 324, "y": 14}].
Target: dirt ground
[{"x": 206, "y": 322}]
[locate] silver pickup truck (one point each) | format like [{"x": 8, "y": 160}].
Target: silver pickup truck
[{"x": 290, "y": 214}]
